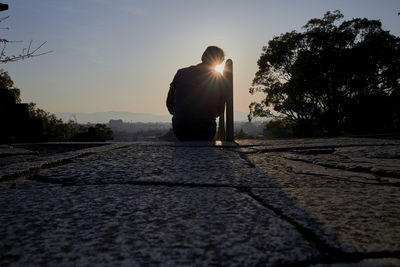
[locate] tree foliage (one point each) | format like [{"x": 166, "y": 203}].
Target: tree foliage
[
  {"x": 6, "y": 83},
  {"x": 44, "y": 126},
  {"x": 100, "y": 132},
  {"x": 240, "y": 135},
  {"x": 54, "y": 129},
  {"x": 279, "y": 128},
  {"x": 336, "y": 76}
]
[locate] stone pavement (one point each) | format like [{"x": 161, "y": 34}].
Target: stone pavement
[{"x": 303, "y": 202}]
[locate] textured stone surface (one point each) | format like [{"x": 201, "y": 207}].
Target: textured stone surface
[
  {"x": 383, "y": 262},
  {"x": 352, "y": 211},
  {"x": 319, "y": 202},
  {"x": 316, "y": 142},
  {"x": 22, "y": 164},
  {"x": 6, "y": 150},
  {"x": 379, "y": 160},
  {"x": 126, "y": 224},
  {"x": 162, "y": 164}
]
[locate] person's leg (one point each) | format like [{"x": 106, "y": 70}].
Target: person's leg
[
  {"x": 194, "y": 130},
  {"x": 207, "y": 131},
  {"x": 180, "y": 130}
]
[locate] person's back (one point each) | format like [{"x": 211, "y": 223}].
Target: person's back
[{"x": 196, "y": 98}]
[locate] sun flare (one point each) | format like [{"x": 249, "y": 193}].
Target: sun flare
[{"x": 220, "y": 68}]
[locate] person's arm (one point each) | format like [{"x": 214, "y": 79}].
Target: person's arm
[{"x": 171, "y": 96}]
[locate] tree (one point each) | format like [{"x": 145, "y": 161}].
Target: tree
[
  {"x": 6, "y": 83},
  {"x": 279, "y": 128},
  {"x": 53, "y": 128},
  {"x": 98, "y": 133},
  {"x": 27, "y": 52},
  {"x": 240, "y": 135},
  {"x": 104, "y": 132},
  {"x": 332, "y": 78},
  {"x": 40, "y": 125}
]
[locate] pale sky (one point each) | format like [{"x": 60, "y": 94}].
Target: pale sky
[{"x": 121, "y": 55}]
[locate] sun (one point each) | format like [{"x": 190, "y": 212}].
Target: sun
[{"x": 220, "y": 68}]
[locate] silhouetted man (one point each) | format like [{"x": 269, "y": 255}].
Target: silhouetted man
[{"x": 196, "y": 98}]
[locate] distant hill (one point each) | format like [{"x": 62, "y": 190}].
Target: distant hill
[{"x": 104, "y": 117}]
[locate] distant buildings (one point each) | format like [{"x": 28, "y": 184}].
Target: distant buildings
[{"x": 140, "y": 131}]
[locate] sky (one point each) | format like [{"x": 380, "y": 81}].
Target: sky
[{"x": 121, "y": 55}]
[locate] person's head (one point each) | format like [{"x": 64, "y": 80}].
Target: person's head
[{"x": 213, "y": 55}]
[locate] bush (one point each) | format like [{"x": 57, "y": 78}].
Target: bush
[
  {"x": 98, "y": 133},
  {"x": 279, "y": 128},
  {"x": 240, "y": 135}
]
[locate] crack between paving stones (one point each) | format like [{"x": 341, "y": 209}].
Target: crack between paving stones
[
  {"x": 329, "y": 254},
  {"x": 150, "y": 183},
  {"x": 139, "y": 183}
]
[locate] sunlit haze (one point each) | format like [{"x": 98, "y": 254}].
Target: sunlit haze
[{"x": 121, "y": 55}]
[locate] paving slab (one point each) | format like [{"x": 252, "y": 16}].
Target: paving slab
[
  {"x": 16, "y": 165},
  {"x": 350, "y": 209},
  {"x": 6, "y": 150},
  {"x": 373, "y": 159},
  {"x": 15, "y": 161},
  {"x": 143, "y": 163},
  {"x": 107, "y": 225},
  {"x": 315, "y": 142}
]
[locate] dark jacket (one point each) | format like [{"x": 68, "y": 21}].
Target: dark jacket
[{"x": 195, "y": 99}]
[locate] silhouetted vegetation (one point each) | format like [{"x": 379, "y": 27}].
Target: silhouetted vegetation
[
  {"x": 279, "y": 128},
  {"x": 54, "y": 129},
  {"x": 50, "y": 128},
  {"x": 6, "y": 84},
  {"x": 100, "y": 132},
  {"x": 14, "y": 116},
  {"x": 28, "y": 123},
  {"x": 240, "y": 135},
  {"x": 336, "y": 77}
]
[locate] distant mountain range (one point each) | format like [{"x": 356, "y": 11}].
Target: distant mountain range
[{"x": 104, "y": 117}]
